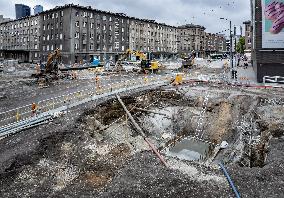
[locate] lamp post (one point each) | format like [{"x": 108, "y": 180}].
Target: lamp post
[{"x": 231, "y": 41}]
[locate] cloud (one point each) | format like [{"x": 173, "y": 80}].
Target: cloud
[{"x": 172, "y": 12}]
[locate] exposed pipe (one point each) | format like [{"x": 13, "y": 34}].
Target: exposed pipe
[
  {"x": 229, "y": 180},
  {"x": 139, "y": 129}
]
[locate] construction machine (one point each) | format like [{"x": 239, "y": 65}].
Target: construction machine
[
  {"x": 188, "y": 61},
  {"x": 49, "y": 71},
  {"x": 146, "y": 64}
]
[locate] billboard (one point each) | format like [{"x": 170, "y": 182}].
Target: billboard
[{"x": 272, "y": 23}]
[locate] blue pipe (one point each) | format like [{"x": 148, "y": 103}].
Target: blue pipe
[{"x": 230, "y": 180}]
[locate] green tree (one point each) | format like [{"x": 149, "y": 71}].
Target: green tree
[{"x": 240, "y": 48}]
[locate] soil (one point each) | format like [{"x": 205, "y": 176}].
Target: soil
[{"x": 94, "y": 152}]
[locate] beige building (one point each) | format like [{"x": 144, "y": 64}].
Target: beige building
[
  {"x": 191, "y": 37},
  {"x": 150, "y": 36}
]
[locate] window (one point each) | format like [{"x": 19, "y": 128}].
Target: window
[
  {"x": 85, "y": 24},
  {"x": 77, "y": 24},
  {"x": 110, "y": 28},
  {"x": 91, "y": 15},
  {"x": 77, "y": 35},
  {"x": 35, "y": 55},
  {"x": 35, "y": 22},
  {"x": 92, "y": 46},
  {"x": 61, "y": 13},
  {"x": 35, "y": 46},
  {"x": 52, "y": 16},
  {"x": 51, "y": 48},
  {"x": 110, "y": 19},
  {"x": 122, "y": 30},
  {"x": 77, "y": 13},
  {"x": 104, "y": 18},
  {"x": 60, "y": 46},
  {"x": 44, "y": 17},
  {"x": 104, "y": 27},
  {"x": 43, "y": 48},
  {"x": 47, "y": 26},
  {"x": 76, "y": 46},
  {"x": 92, "y": 25},
  {"x": 122, "y": 48},
  {"x": 47, "y": 48},
  {"x": 56, "y": 15},
  {"x": 60, "y": 36},
  {"x": 47, "y": 38},
  {"x": 43, "y": 38},
  {"x": 43, "y": 27},
  {"x": 85, "y": 14}
]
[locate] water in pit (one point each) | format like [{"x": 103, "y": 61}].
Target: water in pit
[{"x": 189, "y": 149}]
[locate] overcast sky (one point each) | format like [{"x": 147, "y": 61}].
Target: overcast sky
[{"x": 172, "y": 12}]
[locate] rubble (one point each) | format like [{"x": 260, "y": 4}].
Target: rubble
[{"x": 95, "y": 151}]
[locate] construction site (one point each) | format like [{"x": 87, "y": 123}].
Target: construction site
[{"x": 141, "y": 129}]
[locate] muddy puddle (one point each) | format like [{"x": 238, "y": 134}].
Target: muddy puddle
[{"x": 189, "y": 149}]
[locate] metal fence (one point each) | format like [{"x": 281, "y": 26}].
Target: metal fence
[{"x": 26, "y": 112}]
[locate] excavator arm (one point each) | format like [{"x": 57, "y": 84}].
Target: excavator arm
[{"x": 52, "y": 61}]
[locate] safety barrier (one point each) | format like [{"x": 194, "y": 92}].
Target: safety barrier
[
  {"x": 273, "y": 79},
  {"x": 13, "y": 116}
]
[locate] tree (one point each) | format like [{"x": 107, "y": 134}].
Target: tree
[{"x": 240, "y": 48}]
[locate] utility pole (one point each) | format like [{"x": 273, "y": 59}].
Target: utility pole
[{"x": 231, "y": 45}]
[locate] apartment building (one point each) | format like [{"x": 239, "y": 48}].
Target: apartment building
[
  {"x": 191, "y": 37},
  {"x": 20, "y": 39},
  {"x": 83, "y": 33},
  {"x": 153, "y": 37},
  {"x": 214, "y": 43},
  {"x": 248, "y": 35}
]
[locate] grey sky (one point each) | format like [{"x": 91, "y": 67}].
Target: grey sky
[{"x": 172, "y": 12}]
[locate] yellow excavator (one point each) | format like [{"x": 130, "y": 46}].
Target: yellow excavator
[
  {"x": 49, "y": 71},
  {"x": 146, "y": 64}
]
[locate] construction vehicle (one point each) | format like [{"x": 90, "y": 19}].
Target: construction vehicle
[
  {"x": 146, "y": 64},
  {"x": 49, "y": 71},
  {"x": 188, "y": 62}
]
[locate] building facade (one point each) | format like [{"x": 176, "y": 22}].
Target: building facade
[
  {"x": 20, "y": 39},
  {"x": 215, "y": 43},
  {"x": 82, "y": 33},
  {"x": 38, "y": 9},
  {"x": 22, "y": 11},
  {"x": 150, "y": 36},
  {"x": 191, "y": 37},
  {"x": 248, "y": 35}
]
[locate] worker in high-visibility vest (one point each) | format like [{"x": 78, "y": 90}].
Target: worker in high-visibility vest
[
  {"x": 97, "y": 81},
  {"x": 34, "y": 109}
]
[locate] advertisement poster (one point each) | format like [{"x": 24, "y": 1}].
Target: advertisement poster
[{"x": 272, "y": 23}]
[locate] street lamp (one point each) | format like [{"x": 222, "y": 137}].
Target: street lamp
[{"x": 231, "y": 41}]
